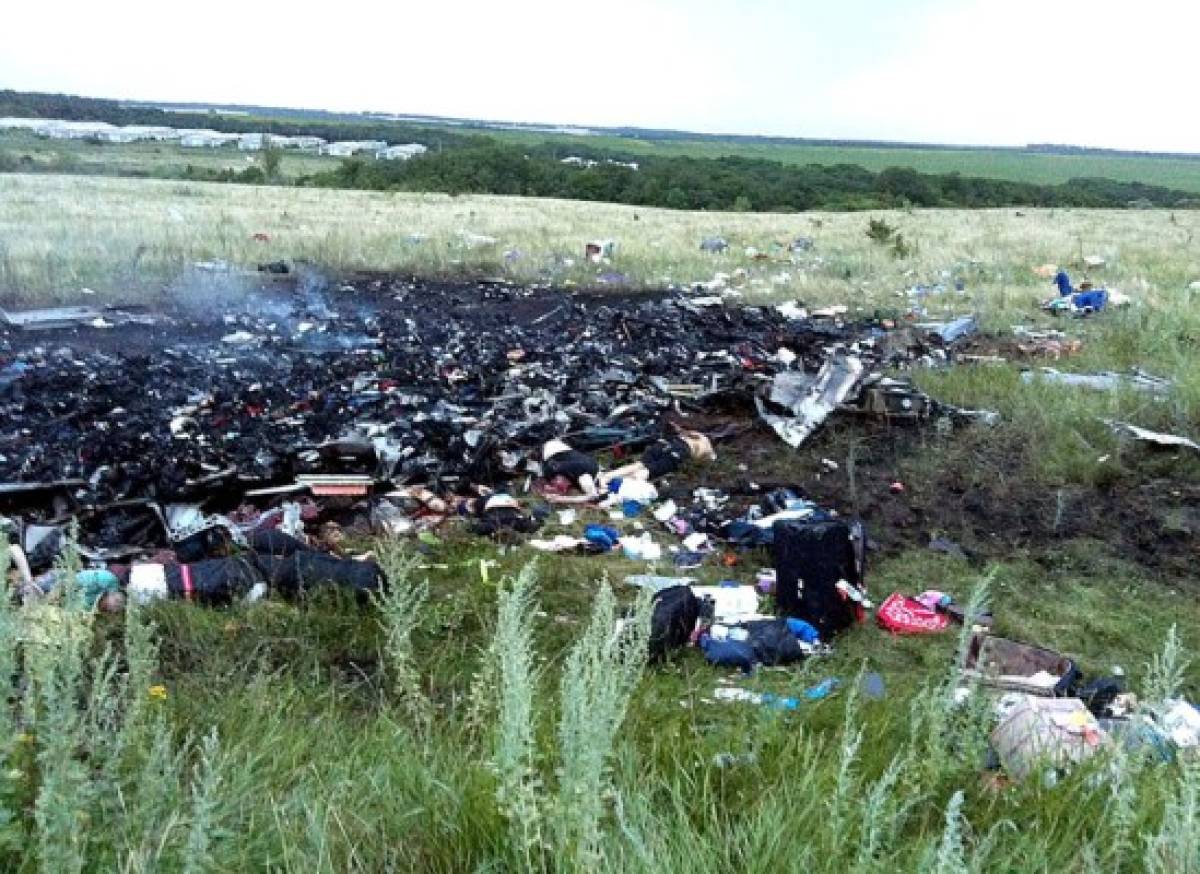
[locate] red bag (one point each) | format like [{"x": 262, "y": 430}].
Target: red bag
[{"x": 901, "y": 614}]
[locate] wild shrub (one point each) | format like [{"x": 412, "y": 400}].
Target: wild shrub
[
  {"x": 1166, "y": 672},
  {"x": 400, "y": 606},
  {"x": 599, "y": 678},
  {"x": 519, "y": 790},
  {"x": 950, "y": 855},
  {"x": 1175, "y": 848},
  {"x": 880, "y": 232},
  {"x": 205, "y": 809}
]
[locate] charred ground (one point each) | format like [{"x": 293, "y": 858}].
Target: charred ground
[{"x": 321, "y": 353}]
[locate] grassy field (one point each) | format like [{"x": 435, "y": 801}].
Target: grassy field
[
  {"x": 473, "y": 723},
  {"x": 156, "y": 160},
  {"x": 1180, "y": 173},
  {"x": 164, "y": 160}
]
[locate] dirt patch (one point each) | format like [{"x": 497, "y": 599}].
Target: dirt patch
[{"x": 975, "y": 489}]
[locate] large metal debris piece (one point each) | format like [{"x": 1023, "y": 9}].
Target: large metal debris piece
[
  {"x": 809, "y": 398},
  {"x": 50, "y": 318},
  {"x": 59, "y": 318}
]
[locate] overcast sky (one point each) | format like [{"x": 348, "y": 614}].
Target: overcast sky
[{"x": 1089, "y": 72}]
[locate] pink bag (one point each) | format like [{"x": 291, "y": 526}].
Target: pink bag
[{"x": 901, "y": 614}]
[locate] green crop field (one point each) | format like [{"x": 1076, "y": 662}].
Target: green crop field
[
  {"x": 1180, "y": 173},
  {"x": 480, "y": 717}
]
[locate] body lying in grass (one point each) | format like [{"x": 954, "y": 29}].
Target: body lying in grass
[{"x": 280, "y": 564}]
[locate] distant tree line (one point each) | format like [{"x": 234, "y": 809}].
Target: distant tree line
[
  {"x": 485, "y": 166},
  {"x": 70, "y": 108},
  {"x": 467, "y": 163}
]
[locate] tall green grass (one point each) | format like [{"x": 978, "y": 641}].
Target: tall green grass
[{"x": 285, "y": 768}]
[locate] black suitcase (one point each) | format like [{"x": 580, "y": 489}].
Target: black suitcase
[{"x": 810, "y": 559}]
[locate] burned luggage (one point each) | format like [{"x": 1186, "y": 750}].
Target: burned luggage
[{"x": 1020, "y": 667}]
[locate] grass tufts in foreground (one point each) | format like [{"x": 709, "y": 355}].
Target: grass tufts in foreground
[{"x": 290, "y": 747}]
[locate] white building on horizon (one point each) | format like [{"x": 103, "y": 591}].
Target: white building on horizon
[
  {"x": 211, "y": 139},
  {"x": 401, "y": 152},
  {"x": 346, "y": 148}
]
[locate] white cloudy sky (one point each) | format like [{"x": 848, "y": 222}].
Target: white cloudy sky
[{"x": 1092, "y": 72}]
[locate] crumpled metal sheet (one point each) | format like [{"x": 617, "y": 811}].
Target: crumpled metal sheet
[{"x": 810, "y": 398}]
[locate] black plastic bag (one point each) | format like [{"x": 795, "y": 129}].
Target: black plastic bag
[{"x": 674, "y": 616}]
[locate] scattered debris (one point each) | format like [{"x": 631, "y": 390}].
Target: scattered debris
[
  {"x": 809, "y": 398},
  {"x": 599, "y": 250},
  {"x": 947, "y": 547},
  {"x": 901, "y": 614},
  {"x": 1004, "y": 664},
  {"x": 1051, "y": 732},
  {"x": 472, "y": 240},
  {"x": 1082, "y": 301},
  {"x": 952, "y": 331},
  {"x": 58, "y": 318},
  {"x": 1106, "y": 381},
  {"x": 1155, "y": 438},
  {"x": 818, "y": 692}
]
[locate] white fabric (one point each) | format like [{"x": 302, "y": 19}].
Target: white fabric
[
  {"x": 501, "y": 502},
  {"x": 147, "y": 582},
  {"x": 558, "y": 543},
  {"x": 637, "y": 490},
  {"x": 641, "y": 548},
  {"x": 731, "y": 604},
  {"x": 553, "y": 448}
]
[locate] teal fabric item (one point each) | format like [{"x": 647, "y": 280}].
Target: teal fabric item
[{"x": 93, "y": 584}]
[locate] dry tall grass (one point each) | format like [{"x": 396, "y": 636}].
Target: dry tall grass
[{"x": 59, "y": 234}]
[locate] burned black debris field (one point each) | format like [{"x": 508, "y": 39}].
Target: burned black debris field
[
  {"x": 445, "y": 385},
  {"x": 244, "y": 390}
]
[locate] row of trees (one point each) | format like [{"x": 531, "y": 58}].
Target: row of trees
[
  {"x": 71, "y": 108},
  {"x": 484, "y": 166},
  {"x": 465, "y": 163}
]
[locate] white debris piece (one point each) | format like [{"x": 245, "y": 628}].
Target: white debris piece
[
  {"x": 476, "y": 241},
  {"x": 809, "y": 398},
  {"x": 1105, "y": 381},
  {"x": 1144, "y": 435},
  {"x": 792, "y": 311}
]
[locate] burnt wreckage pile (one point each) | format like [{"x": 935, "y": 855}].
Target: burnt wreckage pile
[{"x": 326, "y": 400}]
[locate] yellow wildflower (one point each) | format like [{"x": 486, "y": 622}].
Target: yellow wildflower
[{"x": 158, "y": 693}]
